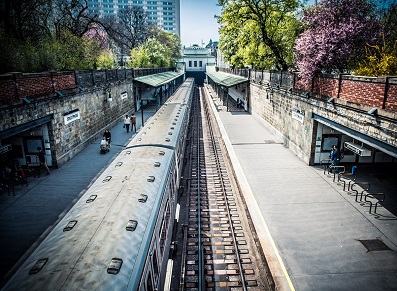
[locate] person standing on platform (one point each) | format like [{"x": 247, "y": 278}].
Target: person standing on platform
[
  {"x": 335, "y": 157},
  {"x": 133, "y": 122},
  {"x": 127, "y": 123},
  {"x": 43, "y": 164}
]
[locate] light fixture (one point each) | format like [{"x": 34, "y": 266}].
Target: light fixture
[
  {"x": 373, "y": 111},
  {"x": 331, "y": 100}
]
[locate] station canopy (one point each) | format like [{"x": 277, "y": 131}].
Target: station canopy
[
  {"x": 157, "y": 80},
  {"x": 225, "y": 79}
]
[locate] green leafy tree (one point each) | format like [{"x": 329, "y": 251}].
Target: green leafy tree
[
  {"x": 105, "y": 60},
  {"x": 171, "y": 41},
  {"x": 380, "y": 61},
  {"x": 139, "y": 58},
  {"x": 162, "y": 51},
  {"x": 259, "y": 32}
]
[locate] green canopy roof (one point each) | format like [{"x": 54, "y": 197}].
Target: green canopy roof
[
  {"x": 157, "y": 80},
  {"x": 225, "y": 79}
]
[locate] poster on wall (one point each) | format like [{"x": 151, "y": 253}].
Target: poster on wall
[
  {"x": 32, "y": 144},
  {"x": 328, "y": 141}
]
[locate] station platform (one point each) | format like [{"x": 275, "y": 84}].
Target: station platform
[
  {"x": 314, "y": 235},
  {"x": 27, "y": 217}
]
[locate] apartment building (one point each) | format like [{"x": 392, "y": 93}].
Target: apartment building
[{"x": 165, "y": 13}]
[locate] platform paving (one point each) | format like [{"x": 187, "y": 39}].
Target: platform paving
[
  {"x": 309, "y": 228},
  {"x": 27, "y": 217}
]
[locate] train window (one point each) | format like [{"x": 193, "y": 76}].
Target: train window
[
  {"x": 107, "y": 179},
  {"x": 38, "y": 266},
  {"x": 114, "y": 266},
  {"x": 143, "y": 198},
  {"x": 174, "y": 123},
  {"x": 155, "y": 266},
  {"x": 131, "y": 225},
  {"x": 91, "y": 199},
  {"x": 119, "y": 164},
  {"x": 172, "y": 128},
  {"x": 170, "y": 133},
  {"x": 127, "y": 153},
  {"x": 157, "y": 164},
  {"x": 70, "y": 225},
  {"x": 167, "y": 139},
  {"x": 149, "y": 284},
  {"x": 162, "y": 153},
  {"x": 151, "y": 179}
]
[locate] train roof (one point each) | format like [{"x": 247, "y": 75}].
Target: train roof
[
  {"x": 78, "y": 259},
  {"x": 164, "y": 127}
]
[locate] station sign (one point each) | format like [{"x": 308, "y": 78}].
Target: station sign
[
  {"x": 71, "y": 116},
  {"x": 357, "y": 149},
  {"x": 298, "y": 115},
  {"x": 124, "y": 95}
]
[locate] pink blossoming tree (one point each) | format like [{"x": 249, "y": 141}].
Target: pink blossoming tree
[{"x": 336, "y": 34}]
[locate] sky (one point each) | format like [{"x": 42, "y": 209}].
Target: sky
[{"x": 197, "y": 21}]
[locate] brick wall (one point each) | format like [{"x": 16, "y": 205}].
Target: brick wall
[
  {"x": 15, "y": 86},
  {"x": 379, "y": 92}
]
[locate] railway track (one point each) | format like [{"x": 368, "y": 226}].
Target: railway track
[{"x": 218, "y": 250}]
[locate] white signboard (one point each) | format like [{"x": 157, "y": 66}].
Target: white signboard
[
  {"x": 71, "y": 117},
  {"x": 357, "y": 149},
  {"x": 124, "y": 95},
  {"x": 298, "y": 116}
]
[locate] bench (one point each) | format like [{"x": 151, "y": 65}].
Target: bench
[
  {"x": 364, "y": 188},
  {"x": 379, "y": 197}
]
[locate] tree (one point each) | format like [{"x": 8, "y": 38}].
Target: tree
[
  {"x": 388, "y": 18},
  {"x": 74, "y": 16},
  {"x": 105, "y": 60},
  {"x": 153, "y": 53},
  {"x": 25, "y": 20},
  {"x": 130, "y": 28},
  {"x": 335, "y": 37},
  {"x": 258, "y": 32},
  {"x": 380, "y": 61},
  {"x": 169, "y": 40}
]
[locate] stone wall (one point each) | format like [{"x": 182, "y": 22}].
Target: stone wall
[
  {"x": 278, "y": 109},
  {"x": 95, "y": 114}
]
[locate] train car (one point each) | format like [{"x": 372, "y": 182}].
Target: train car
[{"x": 117, "y": 236}]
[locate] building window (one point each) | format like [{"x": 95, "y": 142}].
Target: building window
[
  {"x": 195, "y": 64},
  {"x": 200, "y": 64},
  {"x": 190, "y": 63}
]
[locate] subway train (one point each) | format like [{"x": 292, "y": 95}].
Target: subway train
[{"x": 118, "y": 234}]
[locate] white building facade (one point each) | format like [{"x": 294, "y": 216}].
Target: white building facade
[{"x": 196, "y": 58}]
